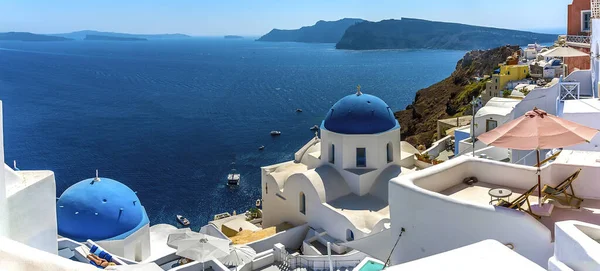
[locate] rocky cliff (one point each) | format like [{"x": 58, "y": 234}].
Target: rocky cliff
[
  {"x": 321, "y": 32},
  {"x": 450, "y": 97},
  {"x": 410, "y": 33}
]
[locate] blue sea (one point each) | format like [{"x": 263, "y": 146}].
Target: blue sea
[{"x": 167, "y": 118}]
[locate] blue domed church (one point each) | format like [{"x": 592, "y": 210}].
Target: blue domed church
[
  {"x": 343, "y": 174},
  {"x": 107, "y": 212}
]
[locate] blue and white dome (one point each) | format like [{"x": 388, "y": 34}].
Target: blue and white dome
[
  {"x": 99, "y": 209},
  {"x": 360, "y": 114}
]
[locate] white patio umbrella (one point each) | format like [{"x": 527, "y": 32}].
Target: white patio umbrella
[
  {"x": 238, "y": 255},
  {"x": 198, "y": 246},
  {"x": 180, "y": 234},
  {"x": 202, "y": 249},
  {"x": 564, "y": 52}
]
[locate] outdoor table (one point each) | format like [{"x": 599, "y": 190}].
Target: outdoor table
[{"x": 499, "y": 193}]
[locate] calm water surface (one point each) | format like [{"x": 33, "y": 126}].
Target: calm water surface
[{"x": 168, "y": 118}]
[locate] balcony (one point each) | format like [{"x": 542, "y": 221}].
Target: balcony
[{"x": 578, "y": 41}]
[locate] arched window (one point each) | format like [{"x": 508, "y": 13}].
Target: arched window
[
  {"x": 332, "y": 154},
  {"x": 302, "y": 203},
  {"x": 266, "y": 188},
  {"x": 349, "y": 235},
  {"x": 390, "y": 152}
]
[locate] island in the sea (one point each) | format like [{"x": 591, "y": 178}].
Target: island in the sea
[
  {"x": 80, "y": 35},
  {"x": 233, "y": 37},
  {"x": 321, "y": 32},
  {"x": 113, "y": 38},
  {"x": 26, "y": 36},
  {"x": 410, "y": 33}
]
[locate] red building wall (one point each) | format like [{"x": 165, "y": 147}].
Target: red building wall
[
  {"x": 574, "y": 17},
  {"x": 574, "y": 28}
]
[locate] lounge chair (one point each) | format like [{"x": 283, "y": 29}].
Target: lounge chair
[
  {"x": 517, "y": 204},
  {"x": 560, "y": 192}
]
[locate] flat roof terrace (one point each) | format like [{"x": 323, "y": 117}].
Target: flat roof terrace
[{"x": 478, "y": 193}]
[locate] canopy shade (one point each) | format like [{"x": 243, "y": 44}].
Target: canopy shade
[
  {"x": 238, "y": 255},
  {"x": 202, "y": 249},
  {"x": 564, "y": 52},
  {"x": 538, "y": 130}
]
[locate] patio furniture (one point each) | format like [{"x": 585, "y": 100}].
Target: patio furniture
[
  {"x": 560, "y": 192},
  {"x": 496, "y": 194},
  {"x": 538, "y": 130},
  {"x": 517, "y": 204},
  {"x": 470, "y": 180}
]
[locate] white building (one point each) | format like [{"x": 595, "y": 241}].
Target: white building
[
  {"x": 449, "y": 207},
  {"x": 532, "y": 50},
  {"x": 27, "y": 198},
  {"x": 339, "y": 183}
]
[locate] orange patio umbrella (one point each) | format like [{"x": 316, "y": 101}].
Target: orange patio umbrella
[{"x": 538, "y": 130}]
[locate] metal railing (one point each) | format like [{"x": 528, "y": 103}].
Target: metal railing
[
  {"x": 569, "y": 90},
  {"x": 549, "y": 158},
  {"x": 291, "y": 262},
  {"x": 522, "y": 158},
  {"x": 578, "y": 39}
]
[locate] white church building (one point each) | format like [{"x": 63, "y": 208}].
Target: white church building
[{"x": 338, "y": 183}]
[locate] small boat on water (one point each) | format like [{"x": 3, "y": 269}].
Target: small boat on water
[
  {"x": 275, "y": 133},
  {"x": 261, "y": 148},
  {"x": 182, "y": 220},
  {"x": 233, "y": 178},
  {"x": 314, "y": 128},
  {"x": 299, "y": 110}
]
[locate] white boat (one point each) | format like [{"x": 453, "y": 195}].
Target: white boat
[
  {"x": 261, "y": 148},
  {"x": 298, "y": 110},
  {"x": 182, "y": 220},
  {"x": 233, "y": 178},
  {"x": 275, "y": 133}
]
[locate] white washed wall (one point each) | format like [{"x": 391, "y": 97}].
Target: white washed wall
[
  {"x": 441, "y": 223},
  {"x": 32, "y": 211}
]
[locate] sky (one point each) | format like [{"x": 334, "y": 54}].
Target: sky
[{"x": 257, "y": 17}]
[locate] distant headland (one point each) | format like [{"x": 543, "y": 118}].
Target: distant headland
[
  {"x": 233, "y": 37},
  {"x": 26, "y": 36},
  {"x": 321, "y": 32},
  {"x": 410, "y": 33},
  {"x": 113, "y": 38},
  {"x": 406, "y": 33},
  {"x": 81, "y": 35}
]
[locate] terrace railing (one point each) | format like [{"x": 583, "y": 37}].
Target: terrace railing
[
  {"x": 578, "y": 39},
  {"x": 569, "y": 91}
]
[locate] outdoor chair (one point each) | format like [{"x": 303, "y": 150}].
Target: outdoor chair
[
  {"x": 517, "y": 204},
  {"x": 561, "y": 194}
]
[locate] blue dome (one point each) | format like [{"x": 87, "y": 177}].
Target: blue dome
[
  {"x": 99, "y": 210},
  {"x": 360, "y": 114}
]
